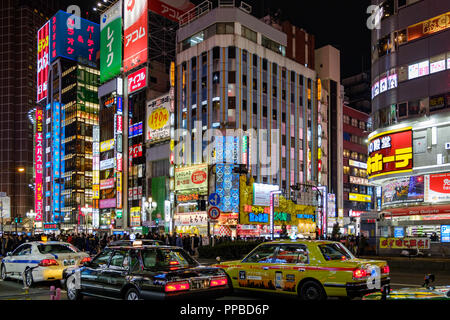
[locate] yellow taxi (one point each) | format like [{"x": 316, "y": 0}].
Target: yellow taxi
[{"x": 313, "y": 270}]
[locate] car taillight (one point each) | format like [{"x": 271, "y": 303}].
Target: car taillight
[
  {"x": 48, "y": 263},
  {"x": 174, "y": 263},
  {"x": 385, "y": 270},
  {"x": 177, "y": 286},
  {"x": 85, "y": 260},
  {"x": 218, "y": 282},
  {"x": 359, "y": 273}
]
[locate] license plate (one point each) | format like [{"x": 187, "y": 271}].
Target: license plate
[{"x": 199, "y": 284}]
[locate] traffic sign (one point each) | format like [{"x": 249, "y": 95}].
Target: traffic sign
[
  {"x": 214, "y": 199},
  {"x": 214, "y": 213}
]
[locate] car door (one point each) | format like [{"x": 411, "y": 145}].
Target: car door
[
  {"x": 90, "y": 276},
  {"x": 289, "y": 267},
  {"x": 21, "y": 259},
  {"x": 113, "y": 278},
  {"x": 256, "y": 272},
  {"x": 11, "y": 262}
]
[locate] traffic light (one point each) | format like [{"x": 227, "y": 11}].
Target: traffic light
[{"x": 18, "y": 220}]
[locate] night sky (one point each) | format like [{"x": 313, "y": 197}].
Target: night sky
[{"x": 341, "y": 23}]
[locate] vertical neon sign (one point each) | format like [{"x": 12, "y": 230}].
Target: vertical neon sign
[
  {"x": 39, "y": 163},
  {"x": 56, "y": 160},
  {"x": 43, "y": 61}
]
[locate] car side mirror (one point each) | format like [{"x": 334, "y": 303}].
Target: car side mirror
[
  {"x": 218, "y": 259},
  {"x": 9, "y": 254}
]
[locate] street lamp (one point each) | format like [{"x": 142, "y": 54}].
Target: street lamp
[
  {"x": 31, "y": 215},
  {"x": 149, "y": 208}
]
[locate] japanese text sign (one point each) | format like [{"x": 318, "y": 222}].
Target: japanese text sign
[
  {"x": 43, "y": 57},
  {"x": 111, "y": 42},
  {"x": 405, "y": 243},
  {"x": 135, "y": 33},
  {"x": 68, "y": 41},
  {"x": 390, "y": 152}
]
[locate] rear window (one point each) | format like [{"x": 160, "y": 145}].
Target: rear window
[
  {"x": 57, "y": 248},
  {"x": 335, "y": 251},
  {"x": 166, "y": 258}
]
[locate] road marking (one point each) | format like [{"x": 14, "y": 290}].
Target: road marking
[{"x": 405, "y": 285}]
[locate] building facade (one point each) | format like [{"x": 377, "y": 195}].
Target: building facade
[
  {"x": 358, "y": 194},
  {"x": 234, "y": 73},
  {"x": 20, "y": 21},
  {"x": 408, "y": 150},
  {"x": 68, "y": 85}
]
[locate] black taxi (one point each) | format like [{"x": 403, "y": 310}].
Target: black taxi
[{"x": 145, "y": 272}]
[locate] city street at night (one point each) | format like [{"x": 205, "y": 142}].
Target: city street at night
[{"x": 224, "y": 158}]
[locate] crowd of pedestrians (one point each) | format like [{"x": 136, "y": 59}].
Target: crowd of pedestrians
[{"x": 93, "y": 244}]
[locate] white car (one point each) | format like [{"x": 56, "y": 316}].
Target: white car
[{"x": 41, "y": 261}]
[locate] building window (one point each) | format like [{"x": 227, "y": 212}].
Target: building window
[
  {"x": 225, "y": 28},
  {"x": 249, "y": 34},
  {"x": 346, "y": 119}
]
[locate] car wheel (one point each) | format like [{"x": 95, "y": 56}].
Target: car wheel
[
  {"x": 3, "y": 273},
  {"x": 132, "y": 294},
  {"x": 73, "y": 294},
  {"x": 28, "y": 278},
  {"x": 312, "y": 291}
]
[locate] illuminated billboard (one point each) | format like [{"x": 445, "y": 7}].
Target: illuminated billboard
[
  {"x": 135, "y": 33},
  {"x": 70, "y": 42},
  {"x": 437, "y": 187},
  {"x": 404, "y": 190},
  {"x": 261, "y": 194},
  {"x": 39, "y": 164},
  {"x": 137, "y": 80},
  {"x": 390, "y": 152},
  {"x": 158, "y": 119},
  {"x": 111, "y": 42},
  {"x": 43, "y": 60},
  {"x": 171, "y": 9},
  {"x": 193, "y": 178}
]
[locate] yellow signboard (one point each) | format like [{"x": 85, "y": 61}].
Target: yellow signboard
[
  {"x": 360, "y": 197},
  {"x": 96, "y": 191},
  {"x": 107, "y": 145}
]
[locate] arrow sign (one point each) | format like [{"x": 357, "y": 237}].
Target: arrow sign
[
  {"x": 214, "y": 213},
  {"x": 214, "y": 199}
]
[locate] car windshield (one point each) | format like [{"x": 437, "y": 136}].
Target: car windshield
[
  {"x": 335, "y": 251},
  {"x": 167, "y": 258},
  {"x": 57, "y": 248}
]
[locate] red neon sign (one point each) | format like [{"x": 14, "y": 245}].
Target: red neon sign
[
  {"x": 39, "y": 193},
  {"x": 137, "y": 80},
  {"x": 43, "y": 61}
]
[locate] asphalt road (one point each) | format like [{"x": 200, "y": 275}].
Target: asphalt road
[{"x": 13, "y": 289}]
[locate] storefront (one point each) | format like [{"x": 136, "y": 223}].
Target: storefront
[
  {"x": 191, "y": 223},
  {"x": 191, "y": 192},
  {"x": 254, "y": 219}
]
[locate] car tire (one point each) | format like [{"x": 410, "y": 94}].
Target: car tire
[
  {"x": 4, "y": 277},
  {"x": 73, "y": 294},
  {"x": 312, "y": 291},
  {"x": 29, "y": 278},
  {"x": 132, "y": 295}
]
